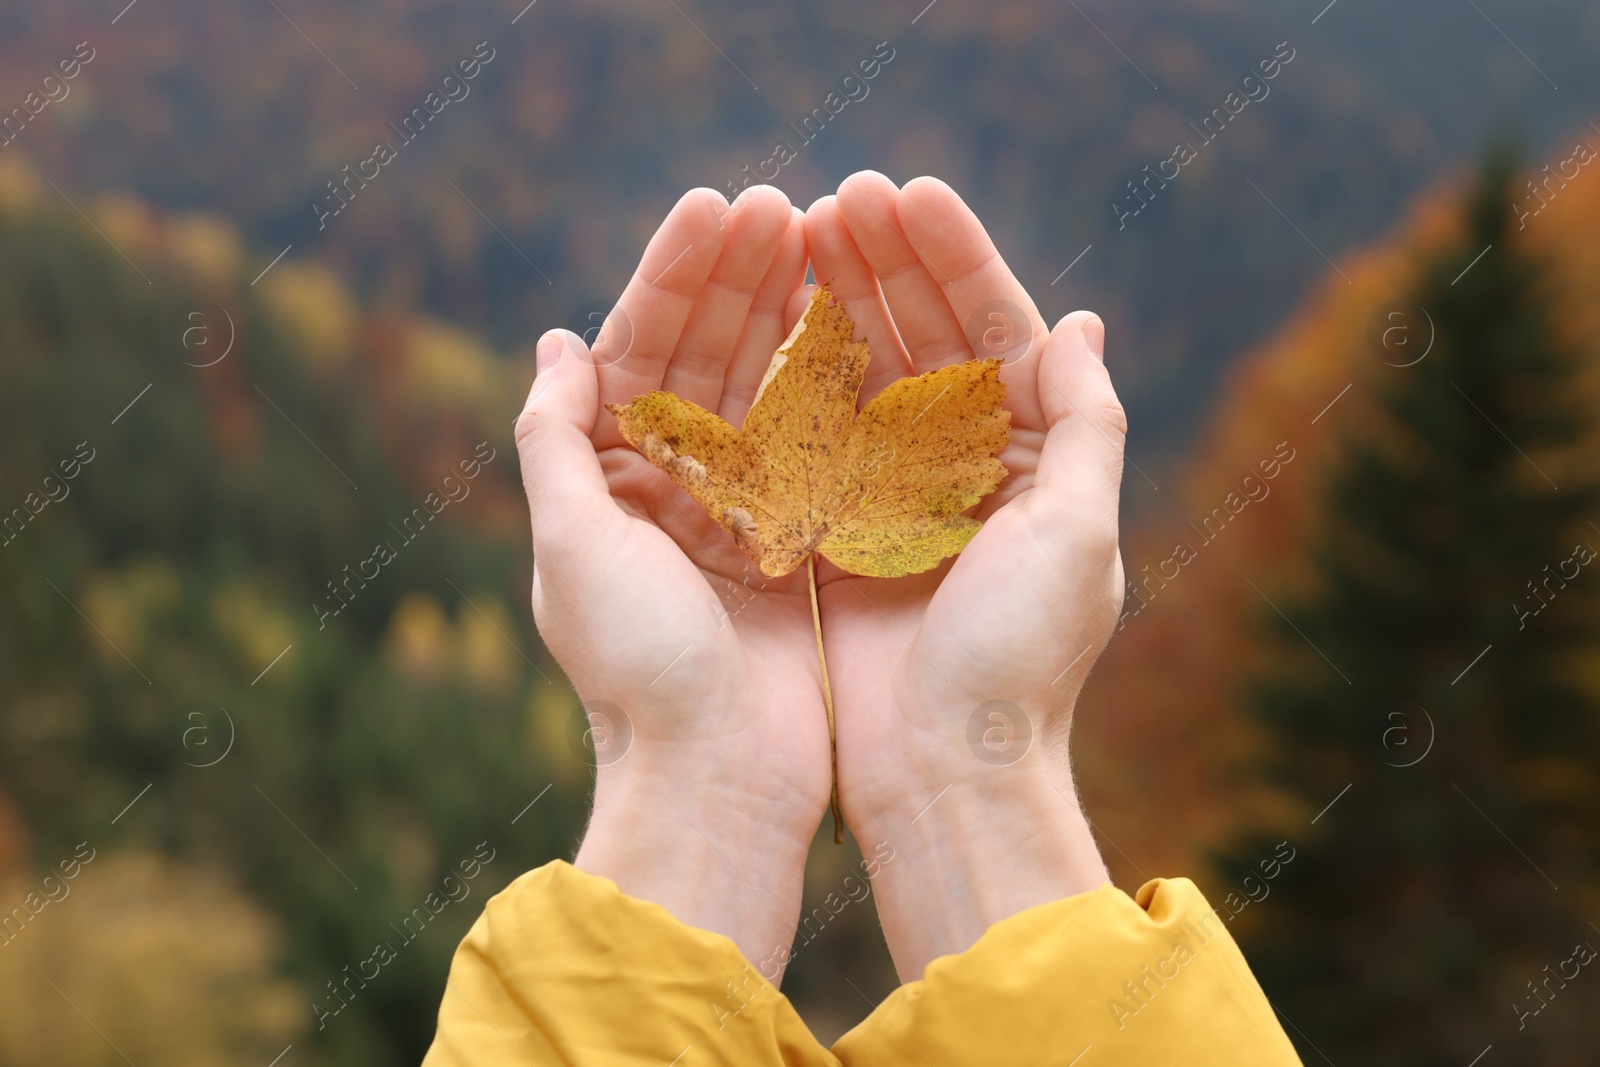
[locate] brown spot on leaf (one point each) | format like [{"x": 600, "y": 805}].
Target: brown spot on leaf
[
  {"x": 689, "y": 469},
  {"x": 743, "y": 527}
]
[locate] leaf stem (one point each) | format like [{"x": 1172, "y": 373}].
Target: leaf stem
[{"x": 827, "y": 699}]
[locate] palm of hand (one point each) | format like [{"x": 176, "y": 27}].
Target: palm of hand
[
  {"x": 946, "y": 675},
  {"x": 734, "y": 653},
  {"x": 959, "y": 668},
  {"x": 644, "y": 602}
]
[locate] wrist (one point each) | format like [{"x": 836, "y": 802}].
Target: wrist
[
  {"x": 718, "y": 856},
  {"x": 980, "y": 845}
]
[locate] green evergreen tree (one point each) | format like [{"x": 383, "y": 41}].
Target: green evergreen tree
[{"x": 1418, "y": 907}]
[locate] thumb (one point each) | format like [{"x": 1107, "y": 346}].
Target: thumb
[
  {"x": 560, "y": 471},
  {"x": 1079, "y": 480}
]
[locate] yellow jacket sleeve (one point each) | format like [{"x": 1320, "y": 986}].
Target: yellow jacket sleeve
[
  {"x": 563, "y": 968},
  {"x": 1093, "y": 980}
]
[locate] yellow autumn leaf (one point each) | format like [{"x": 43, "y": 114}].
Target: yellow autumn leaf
[{"x": 879, "y": 495}]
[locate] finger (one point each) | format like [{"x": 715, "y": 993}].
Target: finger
[
  {"x": 869, "y": 205},
  {"x": 838, "y": 263},
  {"x": 756, "y": 226},
  {"x": 996, "y": 313},
  {"x": 766, "y": 326},
  {"x": 567, "y": 492},
  {"x": 641, "y": 333},
  {"x": 1079, "y": 480},
  {"x": 796, "y": 308}
]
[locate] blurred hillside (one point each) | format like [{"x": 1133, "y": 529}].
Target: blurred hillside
[
  {"x": 185, "y": 477},
  {"x": 211, "y": 680},
  {"x": 1163, "y": 751},
  {"x": 523, "y": 203}
]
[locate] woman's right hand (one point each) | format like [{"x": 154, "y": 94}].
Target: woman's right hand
[{"x": 700, "y": 676}]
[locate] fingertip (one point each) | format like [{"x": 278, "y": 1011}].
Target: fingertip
[
  {"x": 702, "y": 195},
  {"x": 1074, "y": 375},
  {"x": 823, "y": 205},
  {"x": 867, "y": 181},
  {"x": 1080, "y": 468},
  {"x": 1078, "y": 334},
  {"x": 868, "y": 206},
  {"x": 760, "y": 217},
  {"x": 548, "y": 351},
  {"x": 1094, "y": 335},
  {"x": 1061, "y": 371},
  {"x": 552, "y": 350},
  {"x": 927, "y": 191},
  {"x": 1074, "y": 328},
  {"x": 947, "y": 234},
  {"x": 827, "y": 237},
  {"x": 571, "y": 343},
  {"x": 707, "y": 208},
  {"x": 555, "y": 354},
  {"x": 764, "y": 197}
]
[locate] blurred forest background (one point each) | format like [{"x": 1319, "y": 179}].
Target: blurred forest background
[{"x": 1381, "y": 659}]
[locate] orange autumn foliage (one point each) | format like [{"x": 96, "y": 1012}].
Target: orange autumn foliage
[{"x": 1161, "y": 732}]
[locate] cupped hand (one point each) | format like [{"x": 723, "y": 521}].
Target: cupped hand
[
  {"x": 713, "y": 750},
  {"x": 955, "y": 688}
]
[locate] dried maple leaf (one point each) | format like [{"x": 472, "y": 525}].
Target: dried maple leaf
[{"x": 879, "y": 495}]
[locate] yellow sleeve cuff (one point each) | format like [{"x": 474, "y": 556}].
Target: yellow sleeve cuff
[
  {"x": 562, "y": 967},
  {"x": 1097, "y": 979}
]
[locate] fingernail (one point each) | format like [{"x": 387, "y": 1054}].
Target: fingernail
[
  {"x": 548, "y": 354},
  {"x": 1094, "y": 335}
]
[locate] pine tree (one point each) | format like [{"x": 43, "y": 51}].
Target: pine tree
[{"x": 1420, "y": 912}]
